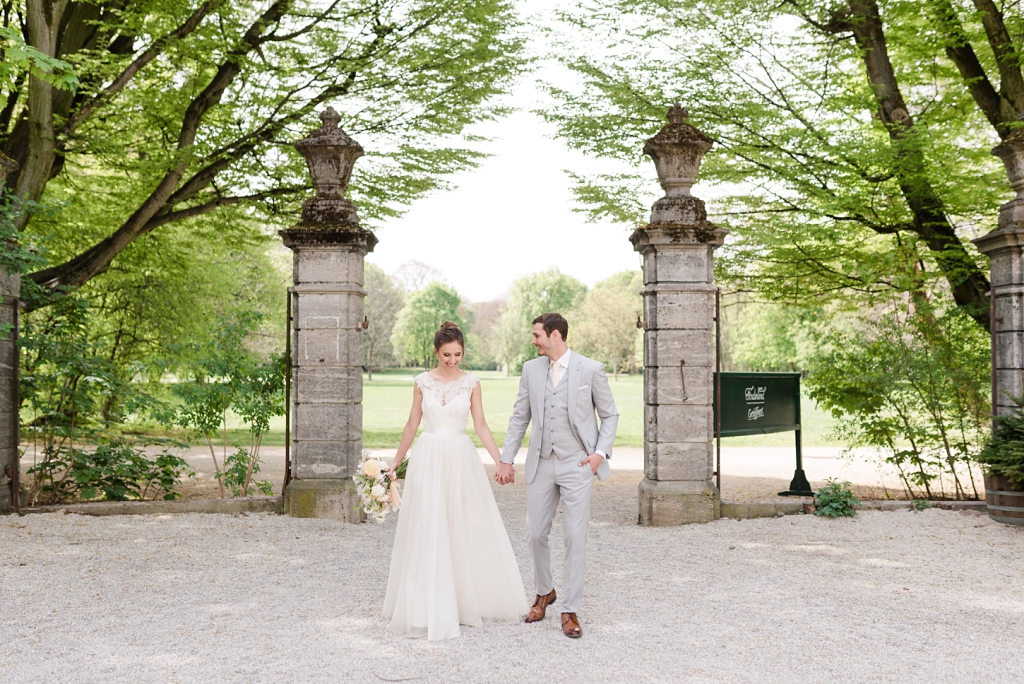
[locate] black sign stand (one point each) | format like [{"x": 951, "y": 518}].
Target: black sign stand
[
  {"x": 799, "y": 486},
  {"x": 760, "y": 403}
]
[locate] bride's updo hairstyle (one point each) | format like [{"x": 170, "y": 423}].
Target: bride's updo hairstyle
[{"x": 448, "y": 332}]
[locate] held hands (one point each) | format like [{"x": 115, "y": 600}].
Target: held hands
[
  {"x": 504, "y": 473},
  {"x": 594, "y": 461}
]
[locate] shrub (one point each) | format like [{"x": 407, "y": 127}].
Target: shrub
[
  {"x": 225, "y": 375},
  {"x": 913, "y": 385},
  {"x": 835, "y": 500},
  {"x": 1003, "y": 455},
  {"x": 114, "y": 471}
]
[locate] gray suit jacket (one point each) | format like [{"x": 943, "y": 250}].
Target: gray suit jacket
[{"x": 590, "y": 397}]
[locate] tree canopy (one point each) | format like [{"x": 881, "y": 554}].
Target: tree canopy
[
  {"x": 419, "y": 319},
  {"x": 384, "y": 299},
  {"x": 604, "y": 324},
  {"x": 529, "y": 297},
  {"x": 188, "y": 109},
  {"x": 852, "y": 154}
]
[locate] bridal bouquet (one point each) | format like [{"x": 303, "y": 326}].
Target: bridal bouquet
[{"x": 376, "y": 490}]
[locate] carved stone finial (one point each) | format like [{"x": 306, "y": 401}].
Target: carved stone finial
[
  {"x": 678, "y": 114},
  {"x": 330, "y": 118},
  {"x": 677, "y": 150},
  {"x": 330, "y": 155}
]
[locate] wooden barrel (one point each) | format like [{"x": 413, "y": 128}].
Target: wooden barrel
[{"x": 1005, "y": 503}]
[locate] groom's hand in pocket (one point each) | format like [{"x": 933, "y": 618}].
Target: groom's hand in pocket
[
  {"x": 504, "y": 473},
  {"x": 594, "y": 461}
]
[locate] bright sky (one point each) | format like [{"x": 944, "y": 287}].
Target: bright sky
[
  {"x": 508, "y": 218},
  {"x": 513, "y": 215}
]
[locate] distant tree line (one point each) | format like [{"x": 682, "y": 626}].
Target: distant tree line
[{"x": 405, "y": 309}]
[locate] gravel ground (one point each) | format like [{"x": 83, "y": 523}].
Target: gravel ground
[{"x": 897, "y": 596}]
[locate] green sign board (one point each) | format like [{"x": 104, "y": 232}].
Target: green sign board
[{"x": 758, "y": 404}]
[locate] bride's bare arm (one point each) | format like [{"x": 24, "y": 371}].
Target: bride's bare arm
[
  {"x": 476, "y": 405},
  {"x": 411, "y": 425}
]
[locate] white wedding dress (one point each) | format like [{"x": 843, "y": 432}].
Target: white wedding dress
[{"x": 452, "y": 562}]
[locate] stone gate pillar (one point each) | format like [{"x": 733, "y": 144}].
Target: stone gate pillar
[
  {"x": 10, "y": 291},
  {"x": 327, "y": 343},
  {"x": 1004, "y": 247},
  {"x": 679, "y": 308}
]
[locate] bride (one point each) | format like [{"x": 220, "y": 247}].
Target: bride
[{"x": 452, "y": 562}]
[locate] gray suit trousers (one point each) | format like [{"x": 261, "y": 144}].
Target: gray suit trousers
[{"x": 565, "y": 479}]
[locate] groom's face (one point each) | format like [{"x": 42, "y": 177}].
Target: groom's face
[{"x": 541, "y": 340}]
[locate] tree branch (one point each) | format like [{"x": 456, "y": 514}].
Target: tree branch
[
  {"x": 967, "y": 282},
  {"x": 1011, "y": 85},
  {"x": 961, "y": 53},
  {"x": 199, "y": 210},
  {"x": 138, "y": 63},
  {"x": 79, "y": 269}
]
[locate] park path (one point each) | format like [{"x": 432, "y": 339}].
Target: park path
[{"x": 883, "y": 597}]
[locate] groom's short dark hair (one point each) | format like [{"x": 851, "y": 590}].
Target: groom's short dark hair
[{"x": 552, "y": 322}]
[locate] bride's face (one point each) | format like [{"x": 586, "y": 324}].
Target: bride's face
[{"x": 450, "y": 355}]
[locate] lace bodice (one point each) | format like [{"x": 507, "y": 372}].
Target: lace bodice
[{"x": 446, "y": 405}]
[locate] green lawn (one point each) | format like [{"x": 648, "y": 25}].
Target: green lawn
[
  {"x": 387, "y": 398},
  {"x": 386, "y": 401}
]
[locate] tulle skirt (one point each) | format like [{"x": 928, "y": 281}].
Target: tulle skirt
[{"x": 452, "y": 562}]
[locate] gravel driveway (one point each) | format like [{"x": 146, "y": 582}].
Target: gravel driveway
[{"x": 895, "y": 597}]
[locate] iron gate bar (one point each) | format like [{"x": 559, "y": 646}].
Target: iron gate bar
[
  {"x": 718, "y": 390},
  {"x": 992, "y": 335},
  {"x": 288, "y": 392},
  {"x": 16, "y": 423}
]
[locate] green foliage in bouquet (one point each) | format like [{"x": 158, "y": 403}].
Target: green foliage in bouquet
[
  {"x": 835, "y": 500},
  {"x": 401, "y": 469},
  {"x": 1004, "y": 453}
]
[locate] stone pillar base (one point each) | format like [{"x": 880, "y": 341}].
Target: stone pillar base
[
  {"x": 331, "y": 499},
  {"x": 664, "y": 503}
]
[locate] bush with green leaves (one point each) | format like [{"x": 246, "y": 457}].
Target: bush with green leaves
[
  {"x": 913, "y": 384},
  {"x": 835, "y": 500},
  {"x": 65, "y": 385},
  {"x": 239, "y": 470},
  {"x": 114, "y": 471},
  {"x": 226, "y": 374},
  {"x": 1003, "y": 455}
]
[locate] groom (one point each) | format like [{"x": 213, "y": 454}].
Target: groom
[{"x": 560, "y": 392}]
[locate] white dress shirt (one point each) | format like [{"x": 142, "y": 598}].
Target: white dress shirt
[{"x": 563, "y": 361}]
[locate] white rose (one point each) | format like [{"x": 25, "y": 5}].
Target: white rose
[{"x": 377, "y": 491}]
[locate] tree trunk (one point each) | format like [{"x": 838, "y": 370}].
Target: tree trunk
[
  {"x": 97, "y": 259},
  {"x": 42, "y": 19},
  {"x": 967, "y": 282}
]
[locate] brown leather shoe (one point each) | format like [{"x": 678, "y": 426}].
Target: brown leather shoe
[
  {"x": 540, "y": 604},
  {"x": 571, "y": 626}
]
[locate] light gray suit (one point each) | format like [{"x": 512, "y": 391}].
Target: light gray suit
[{"x": 565, "y": 431}]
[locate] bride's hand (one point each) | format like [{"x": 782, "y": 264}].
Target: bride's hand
[{"x": 391, "y": 472}]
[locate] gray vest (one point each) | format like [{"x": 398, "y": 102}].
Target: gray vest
[{"x": 557, "y": 438}]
